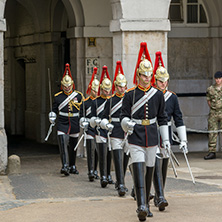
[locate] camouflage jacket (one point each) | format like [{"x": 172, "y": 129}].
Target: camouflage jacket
[{"x": 214, "y": 95}]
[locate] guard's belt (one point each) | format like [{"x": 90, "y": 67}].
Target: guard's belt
[
  {"x": 115, "y": 119},
  {"x": 145, "y": 122},
  {"x": 68, "y": 114}
]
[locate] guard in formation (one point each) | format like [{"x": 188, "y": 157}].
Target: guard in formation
[
  {"x": 66, "y": 107},
  {"x": 86, "y": 114},
  {"x": 101, "y": 134},
  {"x": 173, "y": 111},
  {"x": 143, "y": 107},
  {"x": 111, "y": 123}
]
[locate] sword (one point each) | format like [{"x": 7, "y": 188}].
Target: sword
[
  {"x": 188, "y": 165},
  {"x": 174, "y": 158},
  {"x": 171, "y": 161},
  {"x": 50, "y": 101},
  {"x": 49, "y": 131},
  {"x": 124, "y": 140},
  {"x": 109, "y": 143},
  {"x": 78, "y": 142}
]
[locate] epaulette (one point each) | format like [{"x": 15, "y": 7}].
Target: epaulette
[
  {"x": 58, "y": 93},
  {"x": 130, "y": 89},
  {"x": 79, "y": 93},
  {"x": 172, "y": 92},
  {"x": 86, "y": 99}
]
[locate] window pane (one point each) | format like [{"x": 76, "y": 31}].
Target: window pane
[
  {"x": 192, "y": 14},
  {"x": 192, "y": 1},
  {"x": 203, "y": 17},
  {"x": 175, "y": 13}
]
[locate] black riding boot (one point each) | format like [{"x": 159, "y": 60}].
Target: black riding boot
[
  {"x": 90, "y": 159},
  {"x": 63, "y": 149},
  {"x": 164, "y": 175},
  {"x": 159, "y": 199},
  {"x": 132, "y": 194},
  {"x": 164, "y": 170},
  {"x": 96, "y": 163},
  {"x": 149, "y": 178},
  {"x": 125, "y": 162},
  {"x": 109, "y": 161},
  {"x": 102, "y": 151},
  {"x": 118, "y": 162},
  {"x": 72, "y": 155},
  {"x": 139, "y": 187}
]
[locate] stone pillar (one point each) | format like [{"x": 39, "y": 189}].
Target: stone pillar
[
  {"x": 136, "y": 22},
  {"x": 3, "y": 137}
]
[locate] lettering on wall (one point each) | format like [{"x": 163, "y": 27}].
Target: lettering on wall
[{"x": 90, "y": 64}]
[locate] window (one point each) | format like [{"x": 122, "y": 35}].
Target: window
[
  {"x": 176, "y": 11},
  {"x": 187, "y": 11}
]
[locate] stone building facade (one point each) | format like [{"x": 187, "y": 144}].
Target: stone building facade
[{"x": 39, "y": 37}]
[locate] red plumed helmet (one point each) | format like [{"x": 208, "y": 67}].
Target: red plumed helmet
[
  {"x": 67, "y": 72},
  {"x": 94, "y": 82},
  {"x": 160, "y": 71},
  {"x": 158, "y": 61},
  {"x": 119, "y": 78},
  {"x": 143, "y": 53},
  {"x": 105, "y": 82}
]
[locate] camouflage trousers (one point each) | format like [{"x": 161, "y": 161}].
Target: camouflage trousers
[{"x": 214, "y": 123}]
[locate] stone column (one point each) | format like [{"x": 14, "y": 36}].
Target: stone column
[
  {"x": 134, "y": 23},
  {"x": 3, "y": 137}
]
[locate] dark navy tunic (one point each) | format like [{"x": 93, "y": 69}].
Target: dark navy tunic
[
  {"x": 68, "y": 115},
  {"x": 152, "y": 107},
  {"x": 173, "y": 110},
  {"x": 87, "y": 109},
  {"x": 112, "y": 112},
  {"x": 98, "y": 106}
]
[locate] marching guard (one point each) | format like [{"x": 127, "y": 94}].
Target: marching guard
[
  {"x": 101, "y": 134},
  {"x": 143, "y": 107},
  {"x": 173, "y": 111},
  {"x": 86, "y": 114},
  {"x": 65, "y": 109},
  {"x": 111, "y": 121}
]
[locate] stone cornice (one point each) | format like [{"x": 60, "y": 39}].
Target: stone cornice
[{"x": 140, "y": 25}]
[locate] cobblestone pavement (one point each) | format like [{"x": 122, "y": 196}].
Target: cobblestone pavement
[{"x": 41, "y": 193}]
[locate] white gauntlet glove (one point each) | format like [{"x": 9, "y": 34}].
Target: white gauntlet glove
[
  {"x": 84, "y": 123},
  {"x": 98, "y": 121},
  {"x": 164, "y": 133},
  {"x": 94, "y": 121},
  {"x": 52, "y": 118},
  {"x": 182, "y": 134},
  {"x": 127, "y": 125},
  {"x": 105, "y": 124}
]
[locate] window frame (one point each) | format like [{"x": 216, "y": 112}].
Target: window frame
[{"x": 184, "y": 22}]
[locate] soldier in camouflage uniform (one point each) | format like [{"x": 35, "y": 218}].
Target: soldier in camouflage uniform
[{"x": 214, "y": 100}]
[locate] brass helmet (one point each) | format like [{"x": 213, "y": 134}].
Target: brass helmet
[
  {"x": 145, "y": 67},
  {"x": 162, "y": 74},
  {"x": 67, "y": 80},
  {"x": 144, "y": 64},
  {"x": 106, "y": 84},
  {"x": 95, "y": 84},
  {"x": 120, "y": 80}
]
